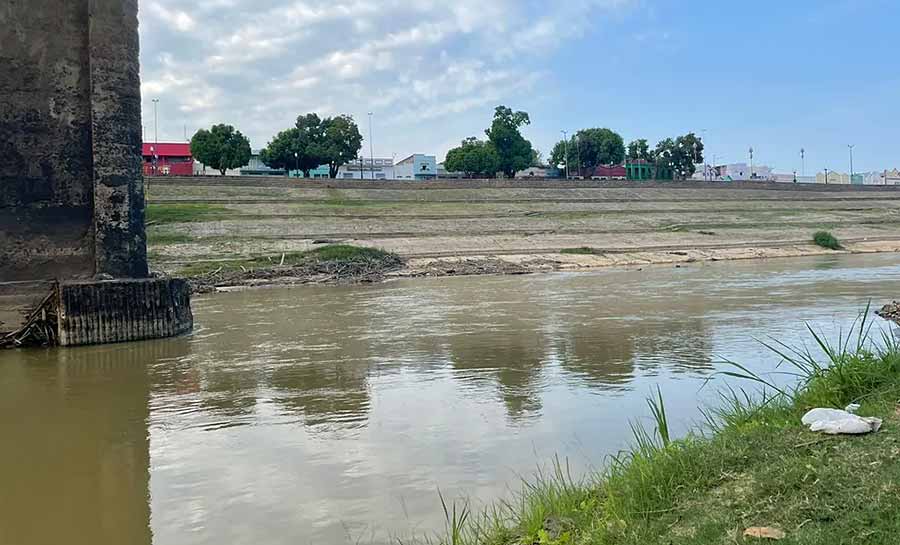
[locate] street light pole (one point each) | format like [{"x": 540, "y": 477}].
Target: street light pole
[
  {"x": 850, "y": 146},
  {"x": 802, "y": 162},
  {"x": 826, "y": 176},
  {"x": 566, "y": 142},
  {"x": 371, "y": 146},
  {"x": 751, "y": 162}
]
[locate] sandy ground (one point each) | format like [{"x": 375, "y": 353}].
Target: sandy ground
[{"x": 479, "y": 230}]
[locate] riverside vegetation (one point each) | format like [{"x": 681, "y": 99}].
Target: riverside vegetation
[{"x": 752, "y": 465}]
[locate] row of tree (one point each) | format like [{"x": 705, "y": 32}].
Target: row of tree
[
  {"x": 589, "y": 148},
  {"x": 310, "y": 143},
  {"x": 336, "y": 141}
]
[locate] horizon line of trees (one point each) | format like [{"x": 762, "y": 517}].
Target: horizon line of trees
[{"x": 336, "y": 141}]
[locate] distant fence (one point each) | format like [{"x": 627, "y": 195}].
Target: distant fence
[{"x": 524, "y": 183}]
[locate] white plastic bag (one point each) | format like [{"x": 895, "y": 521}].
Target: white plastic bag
[{"x": 835, "y": 421}]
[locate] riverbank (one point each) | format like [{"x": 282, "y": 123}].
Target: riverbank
[
  {"x": 346, "y": 264},
  {"x": 471, "y": 227},
  {"x": 754, "y": 469}
]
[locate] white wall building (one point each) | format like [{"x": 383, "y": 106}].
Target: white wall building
[
  {"x": 416, "y": 167},
  {"x": 742, "y": 171},
  {"x": 368, "y": 169}
]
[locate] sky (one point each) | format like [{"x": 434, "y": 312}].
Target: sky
[{"x": 773, "y": 75}]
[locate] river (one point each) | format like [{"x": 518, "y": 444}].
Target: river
[{"x": 335, "y": 414}]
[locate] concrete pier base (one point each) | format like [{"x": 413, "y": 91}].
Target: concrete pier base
[{"x": 122, "y": 310}]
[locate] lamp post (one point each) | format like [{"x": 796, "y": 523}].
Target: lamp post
[
  {"x": 751, "y": 162},
  {"x": 826, "y": 176},
  {"x": 566, "y": 143},
  {"x": 155, "y": 131},
  {"x": 296, "y": 162},
  {"x": 371, "y": 146},
  {"x": 850, "y": 147},
  {"x": 802, "y": 162}
]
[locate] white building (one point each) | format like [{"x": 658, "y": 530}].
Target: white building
[
  {"x": 368, "y": 169},
  {"x": 742, "y": 171},
  {"x": 416, "y": 167}
]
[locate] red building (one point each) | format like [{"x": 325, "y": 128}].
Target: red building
[
  {"x": 168, "y": 160},
  {"x": 611, "y": 172}
]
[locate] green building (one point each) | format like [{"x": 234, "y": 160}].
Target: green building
[{"x": 642, "y": 169}]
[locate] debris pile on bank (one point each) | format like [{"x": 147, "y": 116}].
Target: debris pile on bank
[
  {"x": 337, "y": 264},
  {"x": 891, "y": 312}
]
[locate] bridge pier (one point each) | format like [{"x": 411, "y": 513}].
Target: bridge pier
[{"x": 71, "y": 185}]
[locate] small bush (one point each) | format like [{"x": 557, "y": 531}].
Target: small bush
[{"x": 826, "y": 240}]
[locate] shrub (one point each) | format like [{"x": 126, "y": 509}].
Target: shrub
[{"x": 826, "y": 240}]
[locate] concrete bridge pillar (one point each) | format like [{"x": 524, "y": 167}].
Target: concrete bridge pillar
[{"x": 71, "y": 188}]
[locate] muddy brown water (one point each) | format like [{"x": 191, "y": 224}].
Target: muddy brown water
[{"x": 335, "y": 414}]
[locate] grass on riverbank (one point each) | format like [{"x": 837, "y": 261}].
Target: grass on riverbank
[
  {"x": 184, "y": 213},
  {"x": 826, "y": 240},
  {"x": 755, "y": 465}
]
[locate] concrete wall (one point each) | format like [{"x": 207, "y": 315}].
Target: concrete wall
[{"x": 71, "y": 193}]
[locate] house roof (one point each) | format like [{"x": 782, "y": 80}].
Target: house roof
[{"x": 167, "y": 149}]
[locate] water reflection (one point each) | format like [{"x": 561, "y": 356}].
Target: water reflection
[
  {"x": 74, "y": 464},
  {"x": 327, "y": 415}
]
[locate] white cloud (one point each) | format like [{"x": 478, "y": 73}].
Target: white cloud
[{"x": 257, "y": 64}]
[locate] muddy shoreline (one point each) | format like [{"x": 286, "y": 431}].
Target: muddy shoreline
[{"x": 511, "y": 264}]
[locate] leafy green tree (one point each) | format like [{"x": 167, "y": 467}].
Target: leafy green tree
[
  {"x": 558, "y": 156},
  {"x": 513, "y": 150},
  {"x": 298, "y": 147},
  {"x": 473, "y": 158},
  {"x": 639, "y": 149},
  {"x": 340, "y": 142},
  {"x": 221, "y": 147},
  {"x": 681, "y": 155},
  {"x": 283, "y": 151},
  {"x": 595, "y": 147}
]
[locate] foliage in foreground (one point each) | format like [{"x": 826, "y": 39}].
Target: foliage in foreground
[
  {"x": 826, "y": 240},
  {"x": 752, "y": 465}
]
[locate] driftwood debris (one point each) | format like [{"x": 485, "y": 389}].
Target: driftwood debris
[
  {"x": 891, "y": 312},
  {"x": 40, "y": 327}
]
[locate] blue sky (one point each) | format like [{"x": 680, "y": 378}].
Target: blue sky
[{"x": 775, "y": 75}]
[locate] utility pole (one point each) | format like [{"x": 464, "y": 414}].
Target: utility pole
[
  {"x": 566, "y": 141},
  {"x": 371, "y": 146},
  {"x": 751, "y": 162},
  {"x": 154, "y": 159},
  {"x": 850, "y": 146}
]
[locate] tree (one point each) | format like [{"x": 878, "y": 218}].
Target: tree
[
  {"x": 280, "y": 152},
  {"x": 340, "y": 142},
  {"x": 473, "y": 158},
  {"x": 222, "y": 148},
  {"x": 513, "y": 150},
  {"x": 558, "y": 156},
  {"x": 639, "y": 150},
  {"x": 537, "y": 158},
  {"x": 595, "y": 147},
  {"x": 680, "y": 155}
]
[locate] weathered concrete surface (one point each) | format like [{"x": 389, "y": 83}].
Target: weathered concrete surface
[
  {"x": 123, "y": 310},
  {"x": 71, "y": 192},
  {"x": 71, "y": 188}
]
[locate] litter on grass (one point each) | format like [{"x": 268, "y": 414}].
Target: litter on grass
[{"x": 838, "y": 422}]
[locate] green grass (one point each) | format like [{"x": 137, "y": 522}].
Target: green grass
[
  {"x": 582, "y": 250},
  {"x": 752, "y": 464},
  {"x": 826, "y": 240},
  {"x": 182, "y": 213},
  {"x": 163, "y": 239},
  {"x": 330, "y": 254}
]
